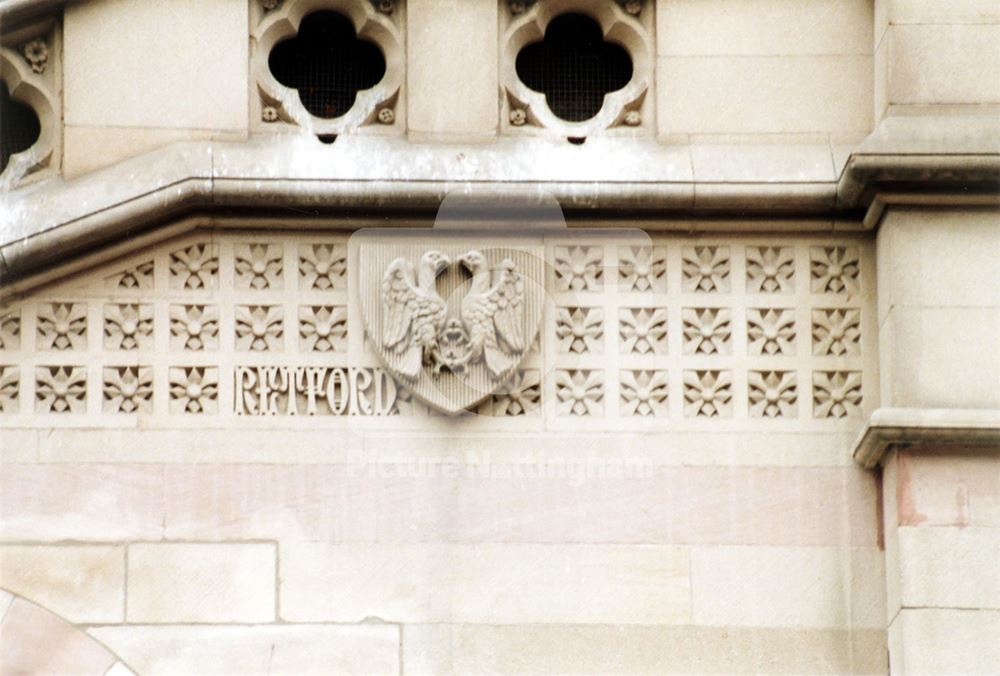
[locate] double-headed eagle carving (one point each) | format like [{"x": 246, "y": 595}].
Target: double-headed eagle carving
[{"x": 418, "y": 328}]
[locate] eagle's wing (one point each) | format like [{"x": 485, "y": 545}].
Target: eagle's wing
[
  {"x": 400, "y": 302},
  {"x": 507, "y": 295}
]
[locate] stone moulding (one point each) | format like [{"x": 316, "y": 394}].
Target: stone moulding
[
  {"x": 369, "y": 24},
  {"x": 955, "y": 428},
  {"x": 618, "y": 27},
  {"x": 37, "y": 88}
]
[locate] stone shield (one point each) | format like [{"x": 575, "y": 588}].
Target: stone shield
[{"x": 450, "y": 315}]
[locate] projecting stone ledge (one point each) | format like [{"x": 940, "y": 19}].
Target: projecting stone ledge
[{"x": 956, "y": 428}]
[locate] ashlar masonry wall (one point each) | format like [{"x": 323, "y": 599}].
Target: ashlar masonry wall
[{"x": 662, "y": 487}]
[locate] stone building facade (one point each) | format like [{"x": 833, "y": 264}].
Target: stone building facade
[{"x": 737, "y": 406}]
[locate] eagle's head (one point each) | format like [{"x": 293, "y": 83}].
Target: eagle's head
[
  {"x": 474, "y": 261},
  {"x": 436, "y": 260}
]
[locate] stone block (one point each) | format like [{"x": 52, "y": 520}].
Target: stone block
[
  {"x": 452, "y": 47},
  {"x": 764, "y": 95},
  {"x": 788, "y": 587},
  {"x": 961, "y": 344},
  {"x": 944, "y": 641},
  {"x": 288, "y": 649},
  {"x": 941, "y": 64},
  {"x": 785, "y": 158},
  {"x": 34, "y": 641},
  {"x": 489, "y": 584},
  {"x": 602, "y": 649},
  {"x": 950, "y": 567},
  {"x": 951, "y": 12},
  {"x": 80, "y": 583},
  {"x": 673, "y": 505},
  {"x": 763, "y": 27},
  {"x": 87, "y": 148},
  {"x": 938, "y": 258},
  {"x": 953, "y": 489},
  {"x": 201, "y": 583},
  {"x": 81, "y": 502},
  {"x": 190, "y": 58}
]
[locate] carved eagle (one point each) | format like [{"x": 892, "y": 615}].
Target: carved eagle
[
  {"x": 492, "y": 313},
  {"x": 412, "y": 311}
]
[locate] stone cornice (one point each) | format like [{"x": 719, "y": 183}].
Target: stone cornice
[
  {"x": 929, "y": 157},
  {"x": 891, "y": 427}
]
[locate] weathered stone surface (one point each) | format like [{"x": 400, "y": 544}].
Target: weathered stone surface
[
  {"x": 488, "y": 584},
  {"x": 201, "y": 583},
  {"x": 81, "y": 502},
  {"x": 34, "y": 641},
  {"x": 948, "y": 489},
  {"x": 676, "y": 505},
  {"x": 80, "y": 583},
  {"x": 288, "y": 649},
  {"x": 944, "y": 641},
  {"x": 950, "y": 567},
  {"x": 561, "y": 649},
  {"x": 788, "y": 587}
]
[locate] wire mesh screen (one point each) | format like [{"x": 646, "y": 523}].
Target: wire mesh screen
[
  {"x": 19, "y": 127},
  {"x": 327, "y": 64},
  {"x": 574, "y": 67}
]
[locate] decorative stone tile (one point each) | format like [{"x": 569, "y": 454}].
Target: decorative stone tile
[
  {"x": 128, "y": 389},
  {"x": 836, "y": 394},
  {"x": 834, "y": 269},
  {"x": 322, "y": 267},
  {"x": 642, "y": 330},
  {"x": 771, "y": 331},
  {"x": 137, "y": 278},
  {"x": 258, "y": 266},
  {"x": 772, "y": 394},
  {"x": 705, "y": 269},
  {"x": 836, "y": 332},
  {"x": 194, "y": 389},
  {"x": 259, "y": 328},
  {"x": 10, "y": 389},
  {"x": 10, "y": 330},
  {"x": 323, "y": 328},
  {"x": 195, "y": 267},
  {"x": 194, "y": 327},
  {"x": 62, "y": 326},
  {"x": 128, "y": 326},
  {"x": 707, "y": 330},
  {"x": 579, "y": 268},
  {"x": 643, "y": 393},
  {"x": 60, "y": 389},
  {"x": 521, "y": 395},
  {"x": 579, "y": 392},
  {"x": 770, "y": 269},
  {"x": 708, "y": 394},
  {"x": 580, "y": 330},
  {"x": 642, "y": 268}
]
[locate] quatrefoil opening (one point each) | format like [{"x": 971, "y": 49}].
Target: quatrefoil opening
[
  {"x": 327, "y": 64},
  {"x": 574, "y": 67},
  {"x": 19, "y": 126}
]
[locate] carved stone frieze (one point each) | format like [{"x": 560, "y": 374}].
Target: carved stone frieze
[{"x": 556, "y": 331}]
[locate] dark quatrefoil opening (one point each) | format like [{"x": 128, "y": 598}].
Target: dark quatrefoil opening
[
  {"x": 19, "y": 126},
  {"x": 327, "y": 63},
  {"x": 574, "y": 67}
]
